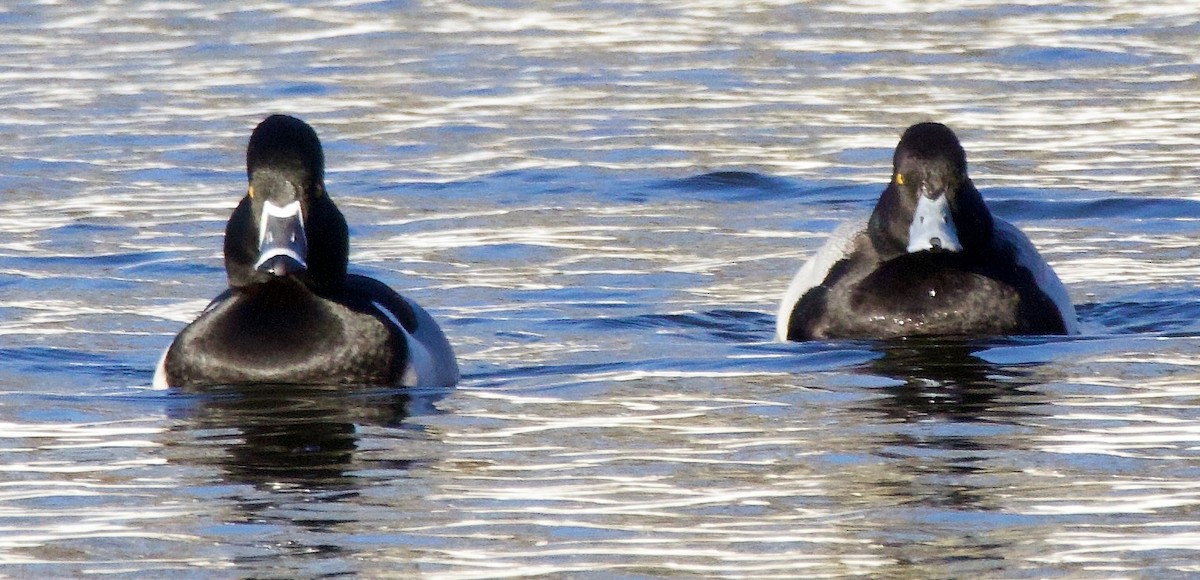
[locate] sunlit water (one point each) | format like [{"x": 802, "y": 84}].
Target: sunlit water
[{"x": 602, "y": 203}]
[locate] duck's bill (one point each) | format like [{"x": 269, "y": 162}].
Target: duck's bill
[
  {"x": 933, "y": 227},
  {"x": 282, "y": 247}
]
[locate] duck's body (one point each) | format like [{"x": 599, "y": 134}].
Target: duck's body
[
  {"x": 931, "y": 260},
  {"x": 292, "y": 314}
]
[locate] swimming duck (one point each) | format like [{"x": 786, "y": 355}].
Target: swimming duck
[
  {"x": 292, "y": 313},
  {"x": 931, "y": 260}
]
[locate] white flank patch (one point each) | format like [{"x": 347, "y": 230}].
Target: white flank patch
[
  {"x": 1028, "y": 257},
  {"x": 431, "y": 361},
  {"x": 838, "y": 246}
]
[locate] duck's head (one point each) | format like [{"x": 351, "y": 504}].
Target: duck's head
[
  {"x": 930, "y": 204},
  {"x": 286, "y": 225}
]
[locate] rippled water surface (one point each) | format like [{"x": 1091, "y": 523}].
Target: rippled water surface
[{"x": 602, "y": 203}]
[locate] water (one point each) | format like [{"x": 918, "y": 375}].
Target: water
[{"x": 602, "y": 203}]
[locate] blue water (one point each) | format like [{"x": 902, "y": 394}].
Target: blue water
[{"x": 602, "y": 203}]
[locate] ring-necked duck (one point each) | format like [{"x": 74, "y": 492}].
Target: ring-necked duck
[
  {"x": 292, "y": 314},
  {"x": 931, "y": 260}
]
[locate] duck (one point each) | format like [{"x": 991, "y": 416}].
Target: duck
[
  {"x": 292, "y": 313},
  {"x": 931, "y": 260}
]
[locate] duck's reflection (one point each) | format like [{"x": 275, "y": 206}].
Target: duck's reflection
[
  {"x": 950, "y": 414},
  {"x": 291, "y": 436},
  {"x": 290, "y": 456},
  {"x": 948, "y": 422},
  {"x": 943, "y": 378}
]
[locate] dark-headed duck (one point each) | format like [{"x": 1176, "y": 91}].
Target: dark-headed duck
[
  {"x": 292, "y": 313},
  {"x": 931, "y": 260}
]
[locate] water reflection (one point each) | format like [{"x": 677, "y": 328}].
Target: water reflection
[
  {"x": 943, "y": 378},
  {"x": 947, "y": 423},
  {"x": 291, "y": 436}
]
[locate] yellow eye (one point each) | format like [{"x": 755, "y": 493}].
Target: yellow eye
[
  {"x": 250, "y": 191},
  {"x": 899, "y": 179}
]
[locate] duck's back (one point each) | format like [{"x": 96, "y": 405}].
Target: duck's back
[
  {"x": 1005, "y": 289},
  {"x": 281, "y": 332}
]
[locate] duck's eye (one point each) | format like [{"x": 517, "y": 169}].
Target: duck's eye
[
  {"x": 250, "y": 191},
  {"x": 899, "y": 179}
]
